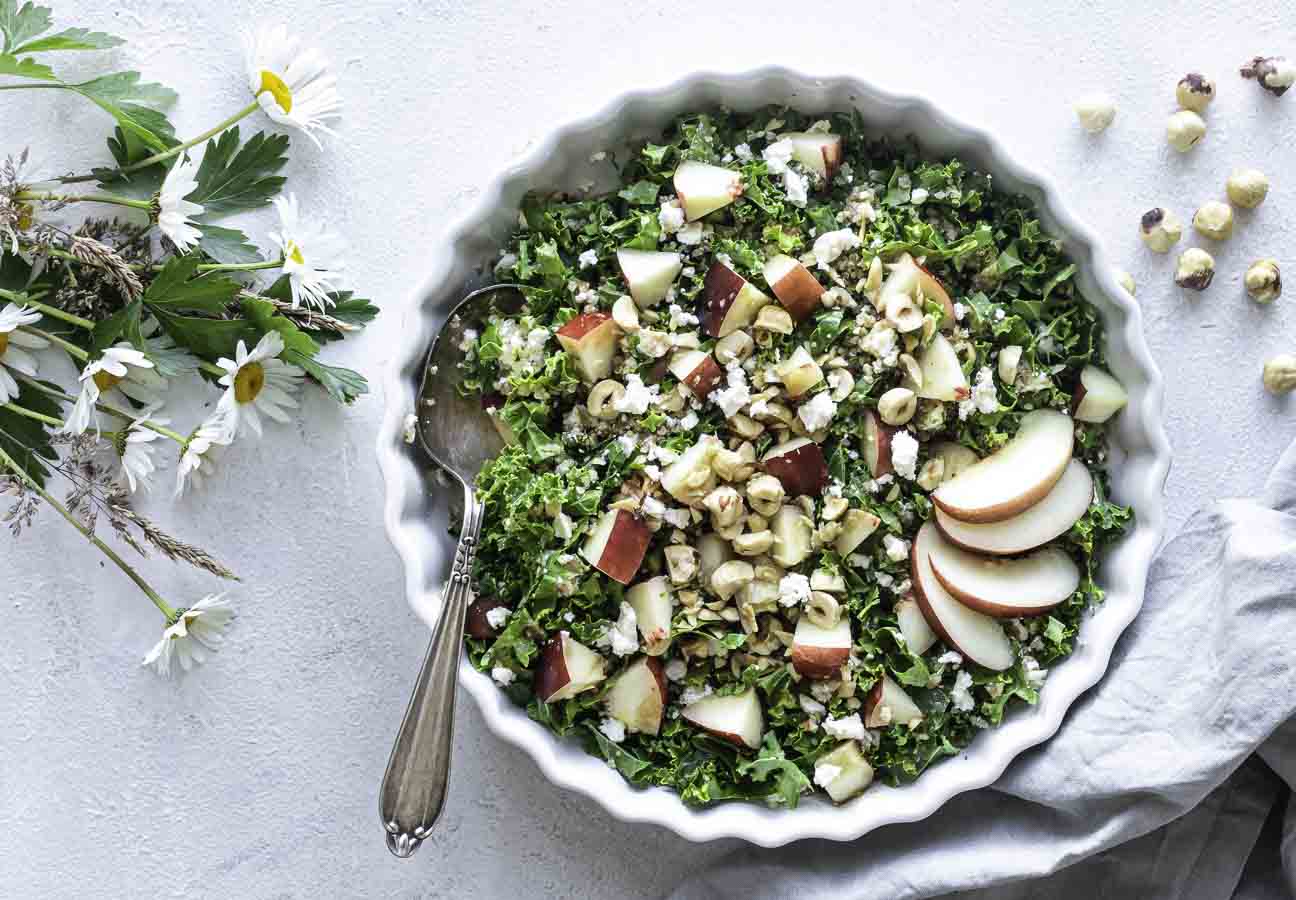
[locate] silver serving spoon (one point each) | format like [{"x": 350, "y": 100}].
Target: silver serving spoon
[{"x": 459, "y": 437}]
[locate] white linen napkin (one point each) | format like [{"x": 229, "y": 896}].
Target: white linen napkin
[{"x": 1161, "y": 778}]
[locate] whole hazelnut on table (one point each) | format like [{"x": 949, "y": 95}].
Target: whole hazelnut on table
[
  {"x": 1185, "y": 129},
  {"x": 1215, "y": 220},
  {"x": 1264, "y": 281},
  {"x": 1196, "y": 269},
  {"x": 1160, "y": 229},
  {"x": 1273, "y": 73},
  {"x": 1195, "y": 92},
  {"x": 1280, "y": 374},
  {"x": 1095, "y": 112},
  {"x": 1247, "y": 188}
]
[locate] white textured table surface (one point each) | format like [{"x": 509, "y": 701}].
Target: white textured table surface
[{"x": 257, "y": 776}]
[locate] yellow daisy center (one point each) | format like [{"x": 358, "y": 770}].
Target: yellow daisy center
[
  {"x": 294, "y": 253},
  {"x": 277, "y": 88},
  {"x": 24, "y": 216},
  {"x": 106, "y": 381},
  {"x": 4, "y": 342},
  {"x": 248, "y": 382}
]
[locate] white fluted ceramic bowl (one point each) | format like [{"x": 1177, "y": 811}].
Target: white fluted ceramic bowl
[{"x": 415, "y": 510}]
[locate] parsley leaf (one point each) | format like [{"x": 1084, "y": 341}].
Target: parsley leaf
[
  {"x": 175, "y": 288},
  {"x": 343, "y": 385},
  {"x": 71, "y": 39},
  {"x": 19, "y": 25},
  {"x": 24, "y": 68},
  {"x": 133, "y": 103},
  {"x": 790, "y": 781}
]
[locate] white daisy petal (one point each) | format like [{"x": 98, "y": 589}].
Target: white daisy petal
[
  {"x": 175, "y": 213},
  {"x": 197, "y": 632},
  {"x": 312, "y": 255},
  {"x": 120, "y": 371},
  {"x": 14, "y": 345},
  {"x": 293, "y": 86}
]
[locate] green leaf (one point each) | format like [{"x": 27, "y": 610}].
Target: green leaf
[
  {"x": 353, "y": 310},
  {"x": 342, "y": 385},
  {"x": 641, "y": 193},
  {"x": 127, "y": 149},
  {"x": 262, "y": 314},
  {"x": 790, "y": 781},
  {"x": 27, "y": 440},
  {"x": 72, "y": 39},
  {"x": 19, "y": 25},
  {"x": 133, "y": 103},
  {"x": 234, "y": 179},
  {"x": 209, "y": 338},
  {"x": 227, "y": 245},
  {"x": 621, "y": 759},
  {"x": 25, "y": 68},
  {"x": 175, "y": 288},
  {"x": 125, "y": 323}
]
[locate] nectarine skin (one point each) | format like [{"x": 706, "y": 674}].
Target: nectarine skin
[
  {"x": 477, "y": 625},
  {"x": 721, "y": 286},
  {"x": 802, "y": 471}
]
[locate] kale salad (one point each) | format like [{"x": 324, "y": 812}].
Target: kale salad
[{"x": 803, "y": 483}]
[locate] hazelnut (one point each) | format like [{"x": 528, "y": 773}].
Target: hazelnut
[
  {"x": 625, "y": 312},
  {"x": 730, "y": 576},
  {"x": 931, "y": 474},
  {"x": 823, "y": 609},
  {"x": 1195, "y": 92},
  {"x": 1127, "y": 282},
  {"x": 603, "y": 397},
  {"x": 1280, "y": 374},
  {"x": 1264, "y": 281},
  {"x": 1095, "y": 112},
  {"x": 681, "y": 563},
  {"x": 775, "y": 319},
  {"x": 1196, "y": 269},
  {"x": 753, "y": 544},
  {"x": 1215, "y": 220},
  {"x": 734, "y": 347},
  {"x": 1185, "y": 129},
  {"x": 1160, "y": 229},
  {"x": 1247, "y": 188},
  {"x": 897, "y": 406},
  {"x": 1273, "y": 73},
  {"x": 1009, "y": 362}
]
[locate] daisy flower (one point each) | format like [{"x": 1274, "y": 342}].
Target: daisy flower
[
  {"x": 134, "y": 447},
  {"x": 197, "y": 459},
  {"x": 14, "y": 345},
  {"x": 196, "y": 630},
  {"x": 258, "y": 383},
  {"x": 292, "y": 84},
  {"x": 312, "y": 255},
  {"x": 121, "y": 369},
  {"x": 175, "y": 213}
]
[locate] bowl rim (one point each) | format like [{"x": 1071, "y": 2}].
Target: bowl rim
[{"x": 423, "y": 553}]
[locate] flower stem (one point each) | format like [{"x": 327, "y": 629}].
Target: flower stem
[
  {"x": 107, "y": 408},
  {"x": 157, "y": 267},
  {"x": 31, "y": 414},
  {"x": 52, "y": 311},
  {"x": 85, "y": 198},
  {"x": 178, "y": 148},
  {"x": 166, "y": 610},
  {"x": 68, "y": 347}
]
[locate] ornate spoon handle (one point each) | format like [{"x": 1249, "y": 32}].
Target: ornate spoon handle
[{"x": 418, "y": 773}]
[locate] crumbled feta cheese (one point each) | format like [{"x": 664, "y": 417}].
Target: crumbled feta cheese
[
  {"x": 846, "y": 728},
  {"x": 797, "y": 187},
  {"x": 818, "y": 412},
  {"x": 469, "y": 340},
  {"x": 826, "y": 773},
  {"x": 671, "y": 217},
  {"x": 735, "y": 394},
  {"x": 652, "y": 472},
  {"x": 503, "y": 676},
  {"x": 959, "y": 311},
  {"x": 777, "y": 156},
  {"x": 613, "y": 729},
  {"x": 881, "y": 342},
  {"x": 743, "y": 152},
  {"x": 961, "y": 693},
  {"x": 569, "y": 617},
  {"x": 918, "y": 196},
  {"x": 587, "y": 259},
  {"x": 794, "y": 589},
  {"x": 1034, "y": 674},
  {"x": 409, "y": 429},
  {"x": 680, "y": 317},
  {"x": 896, "y": 549},
  {"x": 622, "y": 637},
  {"x": 676, "y": 669},
  {"x": 811, "y": 707},
  {"x": 637, "y": 397},
  {"x": 688, "y": 421},
  {"x": 904, "y": 454},
  {"x": 693, "y": 695},
  {"x": 498, "y": 616},
  {"x": 984, "y": 397},
  {"x": 832, "y": 244},
  {"x": 661, "y": 454},
  {"x": 653, "y": 343},
  {"x": 949, "y": 658}
]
